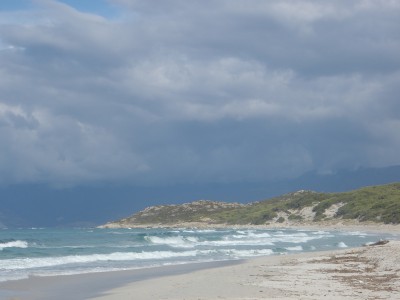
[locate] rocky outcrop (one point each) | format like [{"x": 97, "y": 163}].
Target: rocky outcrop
[{"x": 175, "y": 215}]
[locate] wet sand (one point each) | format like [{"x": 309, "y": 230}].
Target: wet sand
[{"x": 86, "y": 286}]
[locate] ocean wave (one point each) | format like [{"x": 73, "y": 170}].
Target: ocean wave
[
  {"x": 320, "y": 232},
  {"x": 234, "y": 253},
  {"x": 14, "y": 244},
  {"x": 294, "y": 248},
  {"x": 225, "y": 243},
  {"x": 356, "y": 233},
  {"x": 54, "y": 251},
  {"x": 296, "y": 239},
  {"x": 208, "y": 230},
  {"x": 237, "y": 238},
  {"x": 270, "y": 238},
  {"x": 251, "y": 235},
  {"x": 31, "y": 263},
  {"x": 176, "y": 241},
  {"x": 259, "y": 235}
]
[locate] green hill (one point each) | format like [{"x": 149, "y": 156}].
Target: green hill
[{"x": 379, "y": 204}]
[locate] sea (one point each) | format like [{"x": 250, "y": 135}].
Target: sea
[{"x": 53, "y": 251}]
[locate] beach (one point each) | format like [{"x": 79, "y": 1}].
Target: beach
[{"x": 370, "y": 272}]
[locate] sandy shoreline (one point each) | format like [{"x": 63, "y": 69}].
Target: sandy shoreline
[
  {"x": 359, "y": 273},
  {"x": 86, "y": 286},
  {"x": 362, "y": 273},
  {"x": 336, "y": 225}
]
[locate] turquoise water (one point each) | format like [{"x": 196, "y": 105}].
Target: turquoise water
[{"x": 44, "y": 252}]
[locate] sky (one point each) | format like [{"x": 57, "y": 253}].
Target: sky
[{"x": 164, "y": 92}]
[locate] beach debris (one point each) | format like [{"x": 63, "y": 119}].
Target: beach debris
[{"x": 378, "y": 243}]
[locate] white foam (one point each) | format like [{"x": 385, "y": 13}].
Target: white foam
[
  {"x": 241, "y": 232},
  {"x": 240, "y": 237},
  {"x": 192, "y": 239},
  {"x": 294, "y": 239},
  {"x": 357, "y": 233},
  {"x": 14, "y": 244},
  {"x": 270, "y": 238},
  {"x": 342, "y": 245},
  {"x": 176, "y": 241},
  {"x": 246, "y": 253},
  {"x": 198, "y": 230},
  {"x": 236, "y": 243},
  {"x": 253, "y": 238},
  {"x": 30, "y": 263},
  {"x": 295, "y": 248},
  {"x": 320, "y": 232},
  {"x": 259, "y": 235},
  {"x": 9, "y": 277},
  {"x": 250, "y": 235}
]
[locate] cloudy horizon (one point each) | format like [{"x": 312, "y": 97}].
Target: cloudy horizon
[{"x": 182, "y": 92}]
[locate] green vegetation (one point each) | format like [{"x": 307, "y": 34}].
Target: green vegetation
[
  {"x": 376, "y": 203},
  {"x": 280, "y": 220},
  {"x": 294, "y": 217}
]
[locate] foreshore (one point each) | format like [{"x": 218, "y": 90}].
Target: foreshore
[
  {"x": 337, "y": 225},
  {"x": 91, "y": 285},
  {"x": 371, "y": 272},
  {"x": 342, "y": 225}
]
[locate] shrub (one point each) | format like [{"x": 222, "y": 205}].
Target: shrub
[
  {"x": 294, "y": 217},
  {"x": 280, "y": 220}
]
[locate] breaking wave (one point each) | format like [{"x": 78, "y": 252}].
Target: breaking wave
[
  {"x": 176, "y": 241},
  {"x": 74, "y": 251},
  {"x": 14, "y": 244},
  {"x": 30, "y": 263}
]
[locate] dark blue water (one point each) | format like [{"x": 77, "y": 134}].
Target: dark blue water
[{"x": 44, "y": 252}]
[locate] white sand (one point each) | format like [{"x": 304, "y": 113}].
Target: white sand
[{"x": 363, "y": 273}]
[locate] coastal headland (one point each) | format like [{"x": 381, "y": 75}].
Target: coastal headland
[{"x": 374, "y": 206}]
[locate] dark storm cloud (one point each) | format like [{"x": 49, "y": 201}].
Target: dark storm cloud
[{"x": 190, "y": 91}]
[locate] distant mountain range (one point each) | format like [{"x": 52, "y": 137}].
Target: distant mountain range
[
  {"x": 379, "y": 204},
  {"x": 40, "y": 205}
]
